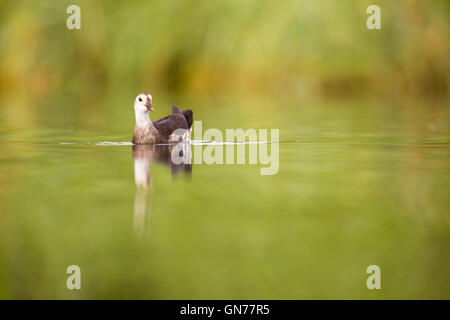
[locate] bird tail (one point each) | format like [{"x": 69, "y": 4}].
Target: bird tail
[
  {"x": 189, "y": 115},
  {"x": 175, "y": 110}
]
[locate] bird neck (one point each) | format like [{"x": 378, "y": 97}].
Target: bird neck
[{"x": 143, "y": 120}]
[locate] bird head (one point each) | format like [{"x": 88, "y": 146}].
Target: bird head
[{"x": 143, "y": 103}]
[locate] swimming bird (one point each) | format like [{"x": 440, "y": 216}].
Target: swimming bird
[{"x": 173, "y": 128}]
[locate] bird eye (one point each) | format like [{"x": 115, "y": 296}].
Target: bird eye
[{"x": 140, "y": 99}]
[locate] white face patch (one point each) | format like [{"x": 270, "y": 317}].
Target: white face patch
[
  {"x": 141, "y": 98},
  {"x": 141, "y": 111}
]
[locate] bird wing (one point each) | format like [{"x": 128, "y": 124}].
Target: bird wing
[
  {"x": 175, "y": 110},
  {"x": 169, "y": 124},
  {"x": 189, "y": 115}
]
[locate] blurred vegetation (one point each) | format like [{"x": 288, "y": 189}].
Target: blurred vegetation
[{"x": 267, "y": 47}]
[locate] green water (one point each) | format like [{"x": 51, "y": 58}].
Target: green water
[{"x": 360, "y": 182}]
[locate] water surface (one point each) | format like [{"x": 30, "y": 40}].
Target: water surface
[{"x": 359, "y": 183}]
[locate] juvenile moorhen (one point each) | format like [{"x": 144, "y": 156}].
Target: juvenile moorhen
[{"x": 173, "y": 128}]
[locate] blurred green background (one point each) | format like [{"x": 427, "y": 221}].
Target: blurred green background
[{"x": 364, "y": 152}]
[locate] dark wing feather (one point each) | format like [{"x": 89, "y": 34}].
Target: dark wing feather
[
  {"x": 169, "y": 124},
  {"x": 189, "y": 115},
  {"x": 160, "y": 120}
]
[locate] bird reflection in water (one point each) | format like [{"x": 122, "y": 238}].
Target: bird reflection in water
[{"x": 143, "y": 156}]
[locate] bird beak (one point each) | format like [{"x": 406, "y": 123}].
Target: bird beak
[{"x": 148, "y": 104}]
